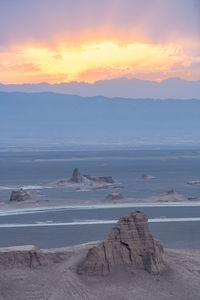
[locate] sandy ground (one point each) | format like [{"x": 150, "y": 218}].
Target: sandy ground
[{"x": 57, "y": 279}]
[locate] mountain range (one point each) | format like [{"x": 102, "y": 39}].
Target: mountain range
[
  {"x": 33, "y": 119},
  {"x": 126, "y": 88}
]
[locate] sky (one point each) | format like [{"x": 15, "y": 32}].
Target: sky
[{"x": 89, "y": 40}]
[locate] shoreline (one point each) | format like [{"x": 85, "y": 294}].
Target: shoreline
[{"x": 36, "y": 206}]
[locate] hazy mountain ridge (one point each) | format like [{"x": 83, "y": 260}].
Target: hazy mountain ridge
[
  {"x": 122, "y": 87},
  {"x": 43, "y": 118}
]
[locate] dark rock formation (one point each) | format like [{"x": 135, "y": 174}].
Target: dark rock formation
[
  {"x": 170, "y": 192},
  {"x": 76, "y": 176},
  {"x": 100, "y": 179},
  {"x": 194, "y": 182},
  {"x": 20, "y": 196},
  {"x": 129, "y": 244},
  {"x": 114, "y": 197},
  {"x": 146, "y": 176}
]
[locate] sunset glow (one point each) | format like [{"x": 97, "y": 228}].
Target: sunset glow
[
  {"x": 91, "y": 62},
  {"x": 90, "y": 49}
]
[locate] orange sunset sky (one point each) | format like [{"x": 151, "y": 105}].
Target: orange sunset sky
[{"x": 90, "y": 40}]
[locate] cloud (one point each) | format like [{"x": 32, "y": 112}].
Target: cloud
[
  {"x": 47, "y": 21},
  {"x": 89, "y": 40},
  {"x": 91, "y": 62}
]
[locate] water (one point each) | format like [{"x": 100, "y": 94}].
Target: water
[
  {"x": 63, "y": 227},
  {"x": 172, "y": 169},
  {"x": 66, "y": 227}
]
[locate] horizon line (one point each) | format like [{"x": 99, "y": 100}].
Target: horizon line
[{"x": 102, "y": 80}]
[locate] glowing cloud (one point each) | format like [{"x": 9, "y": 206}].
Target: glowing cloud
[{"x": 89, "y": 40}]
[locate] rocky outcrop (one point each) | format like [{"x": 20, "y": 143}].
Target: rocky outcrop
[
  {"x": 79, "y": 180},
  {"x": 170, "y": 192},
  {"x": 76, "y": 176},
  {"x": 26, "y": 256},
  {"x": 114, "y": 197},
  {"x": 194, "y": 182},
  {"x": 29, "y": 257},
  {"x": 147, "y": 176},
  {"x": 169, "y": 196},
  {"x": 20, "y": 196},
  {"x": 100, "y": 179},
  {"x": 129, "y": 244}
]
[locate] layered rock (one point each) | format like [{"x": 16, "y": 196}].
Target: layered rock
[
  {"x": 129, "y": 244},
  {"x": 20, "y": 196},
  {"x": 28, "y": 257}
]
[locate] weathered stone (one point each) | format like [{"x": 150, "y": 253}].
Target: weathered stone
[
  {"x": 147, "y": 176},
  {"x": 129, "y": 244},
  {"x": 114, "y": 197},
  {"x": 28, "y": 257},
  {"x": 76, "y": 176},
  {"x": 100, "y": 179},
  {"x": 20, "y": 196}
]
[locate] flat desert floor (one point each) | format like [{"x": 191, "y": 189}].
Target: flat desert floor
[{"x": 54, "y": 277}]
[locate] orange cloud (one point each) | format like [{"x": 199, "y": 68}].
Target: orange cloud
[
  {"x": 94, "y": 61},
  {"x": 91, "y": 40}
]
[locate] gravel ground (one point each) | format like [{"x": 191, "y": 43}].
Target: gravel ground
[{"x": 57, "y": 279}]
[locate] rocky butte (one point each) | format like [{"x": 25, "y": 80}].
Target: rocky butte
[
  {"x": 128, "y": 264},
  {"x": 83, "y": 180},
  {"x": 129, "y": 244},
  {"x": 19, "y": 196},
  {"x": 76, "y": 176},
  {"x": 114, "y": 197}
]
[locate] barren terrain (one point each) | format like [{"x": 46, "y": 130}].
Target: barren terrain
[{"x": 53, "y": 276}]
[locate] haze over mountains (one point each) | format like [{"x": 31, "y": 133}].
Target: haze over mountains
[
  {"x": 126, "y": 88},
  {"x": 43, "y": 119}
]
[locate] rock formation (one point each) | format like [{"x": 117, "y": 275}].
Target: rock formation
[
  {"x": 146, "y": 176},
  {"x": 19, "y": 256},
  {"x": 169, "y": 196},
  {"x": 129, "y": 244},
  {"x": 194, "y": 182},
  {"x": 114, "y": 197},
  {"x": 100, "y": 179},
  {"x": 76, "y": 176},
  {"x": 170, "y": 192},
  {"x": 20, "y": 196},
  {"x": 28, "y": 256}
]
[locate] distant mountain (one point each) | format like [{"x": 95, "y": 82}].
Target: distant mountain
[
  {"x": 33, "y": 119},
  {"x": 127, "y": 88}
]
